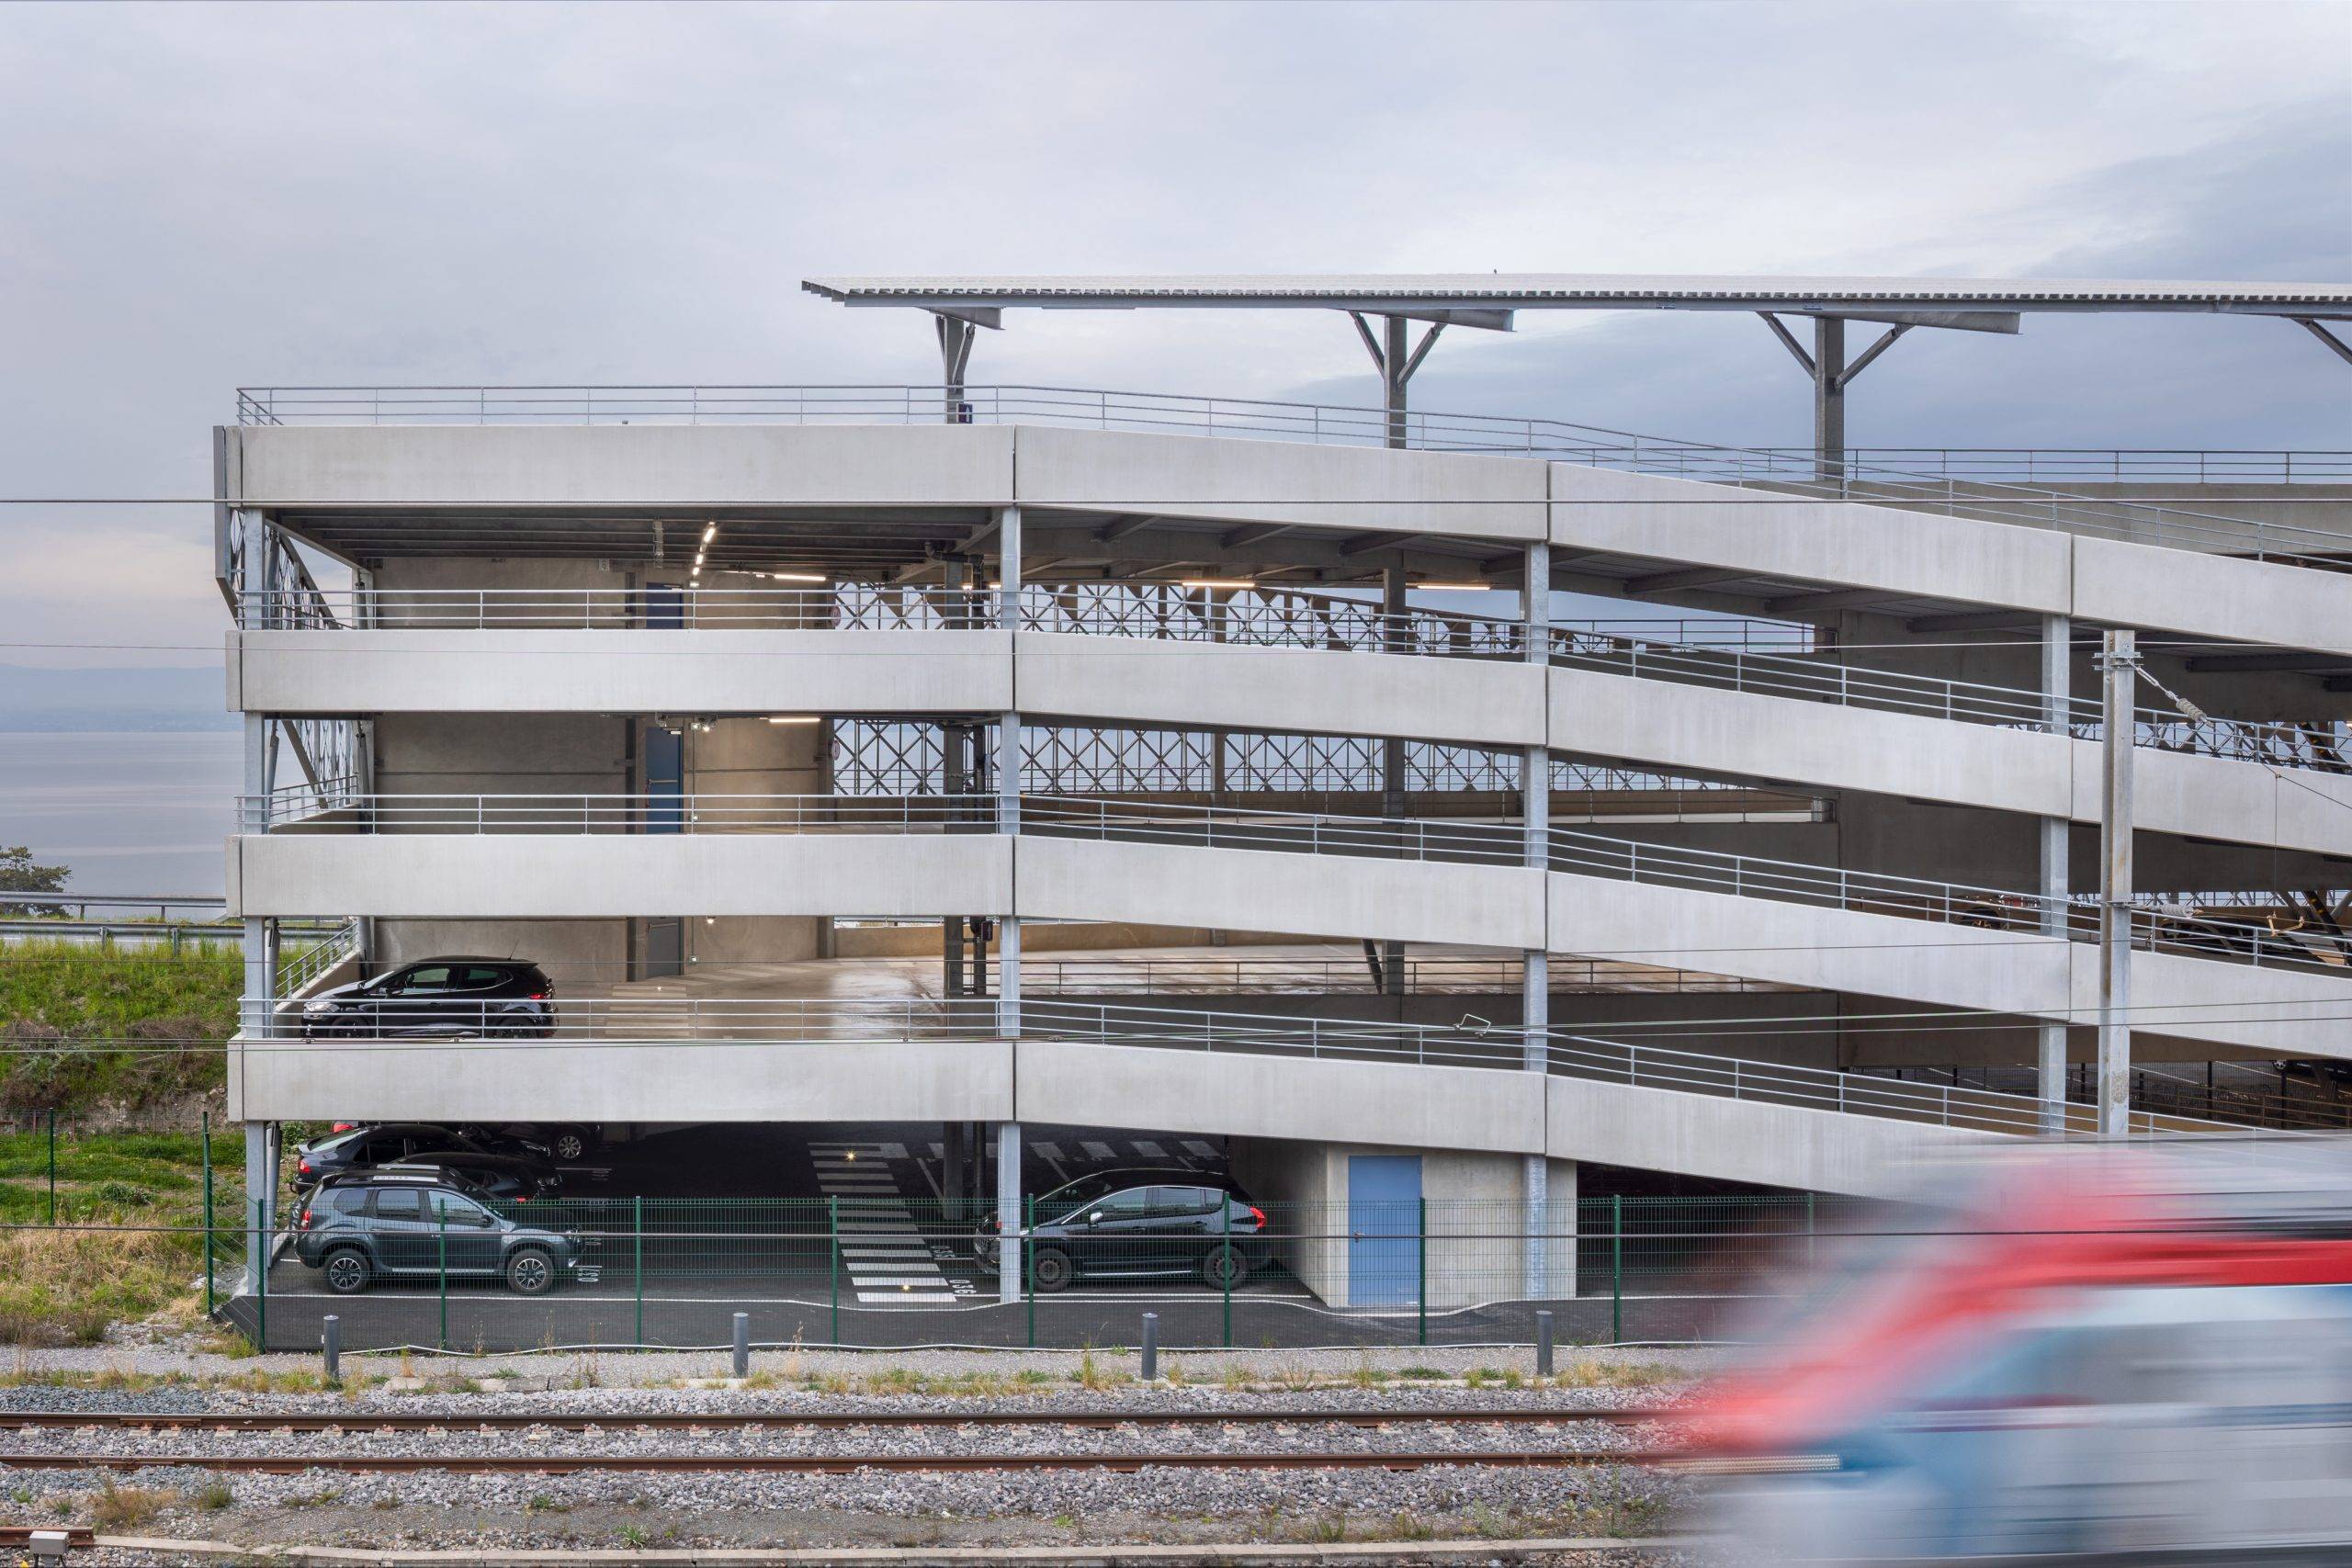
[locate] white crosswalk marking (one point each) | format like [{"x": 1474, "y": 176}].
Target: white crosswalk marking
[
  {"x": 1200, "y": 1150},
  {"x": 1150, "y": 1150},
  {"x": 1097, "y": 1152}
]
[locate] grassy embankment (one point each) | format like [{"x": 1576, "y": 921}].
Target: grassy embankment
[
  {"x": 140, "y": 1027},
  {"x": 131, "y": 1032}
]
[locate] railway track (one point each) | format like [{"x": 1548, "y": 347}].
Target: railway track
[
  {"x": 832, "y": 1464},
  {"x": 569, "y": 1421}
]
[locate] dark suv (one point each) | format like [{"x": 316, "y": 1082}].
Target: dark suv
[
  {"x": 1100, "y": 1228},
  {"x": 439, "y": 996},
  {"x": 390, "y": 1142},
  {"x": 394, "y": 1225}
]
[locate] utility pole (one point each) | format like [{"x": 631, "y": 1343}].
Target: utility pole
[{"x": 2118, "y": 662}]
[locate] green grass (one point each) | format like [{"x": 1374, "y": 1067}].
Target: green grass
[
  {"x": 55, "y": 993},
  {"x": 65, "y": 1285}
]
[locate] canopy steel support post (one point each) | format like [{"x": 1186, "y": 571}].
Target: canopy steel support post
[
  {"x": 2118, "y": 662},
  {"x": 2057, "y": 645},
  {"x": 955, "y": 353},
  {"x": 1829, "y": 401},
  {"x": 1010, "y": 1246},
  {"x": 1394, "y": 371}
]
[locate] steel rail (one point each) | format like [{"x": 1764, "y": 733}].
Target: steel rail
[
  {"x": 832, "y": 1420},
  {"x": 837, "y": 1464}
]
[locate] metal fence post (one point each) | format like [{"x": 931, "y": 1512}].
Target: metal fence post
[
  {"x": 205, "y": 1145},
  {"x": 637, "y": 1259},
  {"x": 1029, "y": 1264},
  {"x": 259, "y": 1207},
  {"x": 53, "y": 1166},
  {"x": 833, "y": 1260},
  {"x": 444, "y": 1233},
  {"x": 1617, "y": 1268},
  {"x": 1227, "y": 1275},
  {"x": 1421, "y": 1272}
]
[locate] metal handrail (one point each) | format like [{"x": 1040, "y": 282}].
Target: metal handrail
[
  {"x": 2159, "y": 927},
  {"x": 2093, "y": 465},
  {"x": 308, "y": 964},
  {"x": 1865, "y": 482},
  {"x": 1472, "y": 1044}
]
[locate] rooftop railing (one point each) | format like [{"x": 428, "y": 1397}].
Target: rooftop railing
[
  {"x": 658, "y": 1019},
  {"x": 2166, "y": 926},
  {"x": 1869, "y": 482}
]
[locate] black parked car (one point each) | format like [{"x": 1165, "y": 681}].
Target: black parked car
[
  {"x": 506, "y": 1177},
  {"x": 395, "y": 1225},
  {"x": 1099, "y": 1227},
  {"x": 391, "y": 1143},
  {"x": 438, "y": 995}
]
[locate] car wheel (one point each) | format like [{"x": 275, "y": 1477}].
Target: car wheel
[
  {"x": 347, "y": 1271},
  {"x": 530, "y": 1272},
  {"x": 569, "y": 1145},
  {"x": 1224, "y": 1267},
  {"x": 1050, "y": 1271}
]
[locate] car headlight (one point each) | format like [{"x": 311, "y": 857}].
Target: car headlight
[{"x": 317, "y": 1005}]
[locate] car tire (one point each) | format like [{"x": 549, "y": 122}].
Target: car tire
[
  {"x": 568, "y": 1146},
  {"x": 1050, "y": 1269},
  {"x": 530, "y": 1271},
  {"x": 1224, "y": 1267},
  {"x": 347, "y": 1271}
]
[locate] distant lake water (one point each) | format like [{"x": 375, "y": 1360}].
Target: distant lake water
[{"x": 131, "y": 813}]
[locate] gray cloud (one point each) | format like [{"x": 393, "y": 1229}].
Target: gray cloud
[{"x": 204, "y": 196}]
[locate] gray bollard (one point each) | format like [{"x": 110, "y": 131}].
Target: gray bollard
[
  {"x": 1151, "y": 1346},
  {"x": 1542, "y": 1343},
  {"x": 742, "y": 1344},
  {"x": 331, "y": 1347}
]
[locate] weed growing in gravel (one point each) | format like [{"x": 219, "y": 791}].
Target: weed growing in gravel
[
  {"x": 634, "y": 1536},
  {"x": 315, "y": 1499},
  {"x": 1296, "y": 1378},
  {"x": 1032, "y": 1376},
  {"x": 1366, "y": 1375},
  {"x": 61, "y": 1506},
  {"x": 1325, "y": 1529},
  {"x": 588, "y": 1375},
  {"x": 897, "y": 1380},
  {"x": 114, "y": 1509},
  {"x": 540, "y": 1503},
  {"x": 1491, "y": 1522},
  {"x": 761, "y": 1381},
  {"x": 1618, "y": 1374},
  {"x": 20, "y": 1494},
  {"x": 1419, "y": 1374},
  {"x": 835, "y": 1383},
  {"x": 213, "y": 1496},
  {"x": 1410, "y": 1526},
  {"x": 1066, "y": 1521},
  {"x": 1478, "y": 1377},
  {"x": 1173, "y": 1374},
  {"x": 1236, "y": 1377},
  {"x": 1091, "y": 1377}
]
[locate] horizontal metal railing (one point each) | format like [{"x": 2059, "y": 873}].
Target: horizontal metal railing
[
  {"x": 1766, "y": 658},
  {"x": 1868, "y": 482},
  {"x": 1472, "y": 1044},
  {"x": 1155, "y": 974},
  {"x": 2090, "y": 465},
  {"x": 2157, "y": 925}
]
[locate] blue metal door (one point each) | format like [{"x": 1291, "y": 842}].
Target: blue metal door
[
  {"x": 665, "y": 780},
  {"x": 1383, "y": 1230},
  {"x": 665, "y": 604}
]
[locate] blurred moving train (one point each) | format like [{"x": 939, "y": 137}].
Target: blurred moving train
[{"x": 2103, "y": 1354}]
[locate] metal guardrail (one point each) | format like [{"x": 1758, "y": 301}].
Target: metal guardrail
[
  {"x": 304, "y": 966},
  {"x": 2162, "y": 927},
  {"x": 1867, "y": 483},
  {"x": 1765, "y": 658},
  {"x": 795, "y": 1022},
  {"x": 2091, "y": 465},
  {"x": 1452, "y": 974},
  {"x": 81, "y": 904}
]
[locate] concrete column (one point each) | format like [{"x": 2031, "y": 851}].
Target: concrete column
[
  {"x": 261, "y": 1186},
  {"x": 260, "y": 980},
  {"x": 1008, "y": 785},
  {"x": 2118, "y": 662},
  {"x": 1535, "y": 982},
  {"x": 952, "y": 1168},
  {"x": 1392, "y": 748},
  {"x": 2057, "y": 644},
  {"x": 1009, "y": 1278},
  {"x": 253, "y": 585}
]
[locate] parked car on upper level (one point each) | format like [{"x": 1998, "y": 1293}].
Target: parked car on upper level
[
  {"x": 391, "y": 1143},
  {"x": 379, "y": 1224},
  {"x": 510, "y": 1179},
  {"x": 1099, "y": 1229},
  {"x": 438, "y": 996}
]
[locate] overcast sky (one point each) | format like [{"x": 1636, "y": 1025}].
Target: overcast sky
[{"x": 194, "y": 198}]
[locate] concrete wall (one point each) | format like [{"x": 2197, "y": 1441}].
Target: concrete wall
[{"x": 1475, "y": 1249}]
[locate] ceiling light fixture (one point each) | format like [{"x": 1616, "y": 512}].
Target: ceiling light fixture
[
  {"x": 793, "y": 718},
  {"x": 1217, "y": 583},
  {"x": 1453, "y": 587},
  {"x": 799, "y": 577}
]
